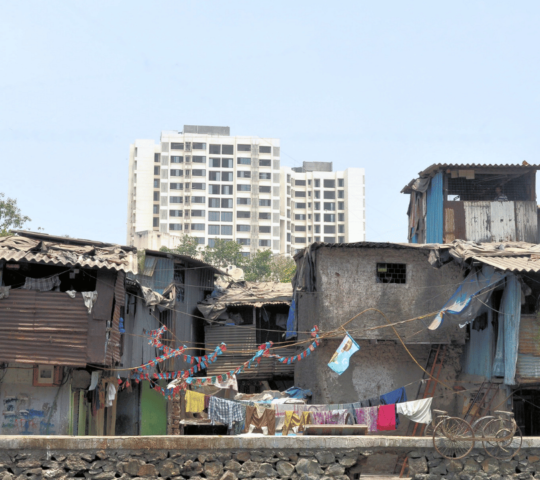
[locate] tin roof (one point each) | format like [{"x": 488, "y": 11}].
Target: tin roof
[
  {"x": 52, "y": 250},
  {"x": 480, "y": 168}
]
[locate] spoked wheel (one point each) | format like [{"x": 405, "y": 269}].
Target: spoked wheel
[
  {"x": 502, "y": 428},
  {"x": 428, "y": 430},
  {"x": 453, "y": 438},
  {"x": 478, "y": 425}
]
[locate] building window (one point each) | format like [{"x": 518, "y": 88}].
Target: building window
[
  {"x": 156, "y": 157},
  {"x": 309, "y": 182},
  {"x": 226, "y": 176},
  {"x": 156, "y": 196},
  {"x": 264, "y": 216},
  {"x": 198, "y": 146},
  {"x": 177, "y": 173},
  {"x": 243, "y": 161},
  {"x": 299, "y": 239},
  {"x": 198, "y": 186},
  {"x": 198, "y": 199},
  {"x": 317, "y": 239},
  {"x": 155, "y": 222},
  {"x": 330, "y": 206},
  {"x": 265, "y": 163},
  {"x": 177, "y": 186},
  {"x": 265, "y": 203},
  {"x": 243, "y": 201},
  {"x": 329, "y": 183},
  {"x": 213, "y": 229},
  {"x": 341, "y": 182},
  {"x": 156, "y": 170},
  {"x": 214, "y": 176},
  {"x": 197, "y": 226},
  {"x": 197, "y": 213},
  {"x": 198, "y": 173},
  {"x": 300, "y": 228},
  {"x": 215, "y": 149},
  {"x": 241, "y": 214},
  {"x": 329, "y": 229},
  {"x": 177, "y": 146},
  {"x": 265, "y": 176},
  {"x": 243, "y": 174},
  {"x": 243, "y": 241},
  {"x": 288, "y": 237},
  {"x": 391, "y": 273},
  {"x": 288, "y": 179},
  {"x": 341, "y": 205},
  {"x": 341, "y": 217},
  {"x": 213, "y": 202},
  {"x": 264, "y": 243},
  {"x": 211, "y": 242},
  {"x": 329, "y": 239},
  {"x": 341, "y": 240},
  {"x": 176, "y": 159},
  {"x": 265, "y": 189},
  {"x": 317, "y": 205},
  {"x": 317, "y": 183},
  {"x": 175, "y": 226},
  {"x": 176, "y": 213},
  {"x": 213, "y": 216},
  {"x": 226, "y": 229},
  {"x": 329, "y": 217},
  {"x": 199, "y": 159},
  {"x": 341, "y": 194},
  {"x": 214, "y": 189},
  {"x": 243, "y": 188},
  {"x": 302, "y": 183},
  {"x": 226, "y": 216},
  {"x": 215, "y": 162},
  {"x": 244, "y": 148},
  {"x": 226, "y": 189},
  {"x": 299, "y": 194},
  {"x": 265, "y": 149},
  {"x": 226, "y": 203},
  {"x": 341, "y": 228},
  {"x": 329, "y": 195},
  {"x": 317, "y": 229},
  {"x": 227, "y": 162},
  {"x": 299, "y": 216},
  {"x": 156, "y": 209},
  {"x": 200, "y": 240},
  {"x": 265, "y": 229},
  {"x": 317, "y": 217},
  {"x": 156, "y": 183},
  {"x": 242, "y": 228},
  {"x": 300, "y": 205},
  {"x": 187, "y": 200}
]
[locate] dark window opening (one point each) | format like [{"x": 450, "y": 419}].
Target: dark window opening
[
  {"x": 391, "y": 273},
  {"x": 526, "y": 411}
]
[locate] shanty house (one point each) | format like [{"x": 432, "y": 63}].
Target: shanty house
[
  {"x": 480, "y": 203},
  {"x": 61, "y": 301}
]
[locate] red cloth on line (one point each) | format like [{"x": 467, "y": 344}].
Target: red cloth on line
[
  {"x": 386, "y": 419},
  {"x": 206, "y": 401}
]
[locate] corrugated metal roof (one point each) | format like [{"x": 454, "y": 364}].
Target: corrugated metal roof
[
  {"x": 39, "y": 248},
  {"x": 465, "y": 166},
  {"x": 189, "y": 261},
  {"x": 43, "y": 328},
  {"x": 529, "y": 263}
]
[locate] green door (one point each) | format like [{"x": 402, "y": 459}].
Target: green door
[{"x": 153, "y": 411}]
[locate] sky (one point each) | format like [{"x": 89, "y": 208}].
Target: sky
[{"x": 390, "y": 86}]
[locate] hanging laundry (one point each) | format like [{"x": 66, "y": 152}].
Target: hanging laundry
[
  {"x": 282, "y": 409},
  {"x": 395, "y": 396},
  {"x": 340, "y": 360},
  {"x": 293, "y": 420},
  {"x": 194, "y": 402},
  {"x": 331, "y": 417},
  {"x": 89, "y": 299},
  {"x": 367, "y": 416},
  {"x": 230, "y": 382},
  {"x": 386, "y": 419},
  {"x": 42, "y": 284},
  {"x": 111, "y": 394},
  {"x": 418, "y": 411},
  {"x": 345, "y": 406},
  {"x": 374, "y": 402},
  {"x": 206, "y": 401},
  {"x": 225, "y": 411},
  {"x": 94, "y": 379},
  {"x": 265, "y": 422}
]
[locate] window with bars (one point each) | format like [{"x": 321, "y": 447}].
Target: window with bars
[{"x": 391, "y": 273}]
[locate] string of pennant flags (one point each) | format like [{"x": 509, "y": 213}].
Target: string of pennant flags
[{"x": 183, "y": 378}]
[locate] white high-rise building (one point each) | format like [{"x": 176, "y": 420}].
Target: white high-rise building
[{"x": 207, "y": 184}]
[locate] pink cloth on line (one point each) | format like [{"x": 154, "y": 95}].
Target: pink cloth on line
[
  {"x": 386, "y": 419},
  {"x": 367, "y": 416}
]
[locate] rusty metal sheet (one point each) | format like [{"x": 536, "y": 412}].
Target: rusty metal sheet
[
  {"x": 105, "y": 288},
  {"x": 454, "y": 222},
  {"x": 526, "y": 214},
  {"x": 478, "y": 221},
  {"x": 528, "y": 362},
  {"x": 43, "y": 328},
  {"x": 503, "y": 222}
]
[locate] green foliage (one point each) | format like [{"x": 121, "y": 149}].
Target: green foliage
[
  {"x": 258, "y": 267},
  {"x": 10, "y": 216},
  {"x": 188, "y": 246},
  {"x": 282, "y": 268},
  {"x": 224, "y": 253}
]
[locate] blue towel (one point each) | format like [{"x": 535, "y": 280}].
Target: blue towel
[{"x": 395, "y": 396}]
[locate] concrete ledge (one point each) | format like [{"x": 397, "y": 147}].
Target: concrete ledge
[{"x": 225, "y": 443}]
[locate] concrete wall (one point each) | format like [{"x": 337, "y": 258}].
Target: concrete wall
[
  {"x": 346, "y": 285},
  {"x": 29, "y": 410}
]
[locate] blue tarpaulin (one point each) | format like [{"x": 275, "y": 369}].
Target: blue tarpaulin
[{"x": 291, "y": 321}]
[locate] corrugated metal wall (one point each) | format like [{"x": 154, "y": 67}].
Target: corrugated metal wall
[
  {"x": 480, "y": 350},
  {"x": 44, "y": 328},
  {"x": 434, "y": 215},
  {"x": 528, "y": 363},
  {"x": 158, "y": 273}
]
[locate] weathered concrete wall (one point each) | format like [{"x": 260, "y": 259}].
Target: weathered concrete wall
[
  {"x": 347, "y": 285},
  {"x": 29, "y": 410},
  {"x": 231, "y": 458},
  {"x": 373, "y": 371}
]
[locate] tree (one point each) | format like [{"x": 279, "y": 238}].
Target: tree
[
  {"x": 223, "y": 253},
  {"x": 10, "y": 215},
  {"x": 282, "y": 269},
  {"x": 188, "y": 246},
  {"x": 258, "y": 267}
]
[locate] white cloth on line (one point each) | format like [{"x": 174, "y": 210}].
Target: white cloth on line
[
  {"x": 94, "y": 380},
  {"x": 72, "y": 293},
  {"x": 230, "y": 382},
  {"x": 418, "y": 411},
  {"x": 89, "y": 299},
  {"x": 111, "y": 394}
]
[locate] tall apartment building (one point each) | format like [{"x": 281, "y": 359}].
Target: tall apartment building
[{"x": 207, "y": 184}]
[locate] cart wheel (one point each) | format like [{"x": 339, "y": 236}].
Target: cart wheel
[
  {"x": 478, "y": 425},
  {"x": 428, "y": 431},
  {"x": 453, "y": 438},
  {"x": 501, "y": 428}
]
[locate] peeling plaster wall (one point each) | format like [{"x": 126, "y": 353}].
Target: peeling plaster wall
[{"x": 29, "y": 410}]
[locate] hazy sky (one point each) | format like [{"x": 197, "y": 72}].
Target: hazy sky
[{"x": 389, "y": 86}]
